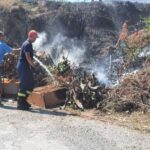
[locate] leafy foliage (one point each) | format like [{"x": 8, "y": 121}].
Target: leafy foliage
[
  {"x": 147, "y": 23},
  {"x": 137, "y": 41},
  {"x": 61, "y": 68}
]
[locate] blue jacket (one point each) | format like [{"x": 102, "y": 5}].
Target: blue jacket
[{"x": 4, "y": 48}]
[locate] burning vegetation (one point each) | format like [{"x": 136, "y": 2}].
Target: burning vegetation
[{"x": 126, "y": 91}]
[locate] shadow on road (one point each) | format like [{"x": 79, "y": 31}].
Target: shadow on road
[
  {"x": 41, "y": 111},
  {"x": 52, "y": 112},
  {"x": 8, "y": 107}
]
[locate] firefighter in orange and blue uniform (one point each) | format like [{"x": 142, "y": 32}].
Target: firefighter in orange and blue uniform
[{"x": 25, "y": 67}]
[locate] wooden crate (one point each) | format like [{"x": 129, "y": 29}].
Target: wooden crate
[
  {"x": 10, "y": 87},
  {"x": 47, "y": 96}
]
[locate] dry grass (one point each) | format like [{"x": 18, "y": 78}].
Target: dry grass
[
  {"x": 136, "y": 121},
  {"x": 8, "y": 3}
]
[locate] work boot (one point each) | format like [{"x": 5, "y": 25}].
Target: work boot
[
  {"x": 27, "y": 104},
  {"x": 22, "y": 104}
]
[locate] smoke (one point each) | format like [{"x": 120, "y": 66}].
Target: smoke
[
  {"x": 100, "y": 70},
  {"x": 40, "y": 41},
  {"x": 76, "y": 56},
  {"x": 100, "y": 74},
  {"x": 73, "y": 50},
  {"x": 61, "y": 46}
]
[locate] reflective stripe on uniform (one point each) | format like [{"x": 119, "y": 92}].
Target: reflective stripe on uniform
[
  {"x": 21, "y": 94},
  {"x": 28, "y": 92}
]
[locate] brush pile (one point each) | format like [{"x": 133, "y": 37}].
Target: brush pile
[
  {"x": 9, "y": 66},
  {"x": 132, "y": 94},
  {"x": 84, "y": 90},
  {"x": 10, "y": 71}
]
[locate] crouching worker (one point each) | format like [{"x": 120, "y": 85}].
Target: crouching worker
[
  {"x": 4, "y": 49},
  {"x": 25, "y": 67}
]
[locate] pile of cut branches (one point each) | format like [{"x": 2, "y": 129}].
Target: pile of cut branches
[
  {"x": 9, "y": 66},
  {"x": 132, "y": 94},
  {"x": 84, "y": 91}
]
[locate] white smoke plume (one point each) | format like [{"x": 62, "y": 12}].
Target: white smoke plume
[
  {"x": 101, "y": 76},
  {"x": 38, "y": 44},
  {"x": 63, "y": 46},
  {"x": 100, "y": 72},
  {"x": 60, "y": 46}
]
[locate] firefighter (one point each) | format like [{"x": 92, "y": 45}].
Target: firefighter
[
  {"x": 4, "y": 49},
  {"x": 25, "y": 67}
]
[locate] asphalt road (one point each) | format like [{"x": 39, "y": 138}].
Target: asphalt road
[{"x": 57, "y": 130}]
